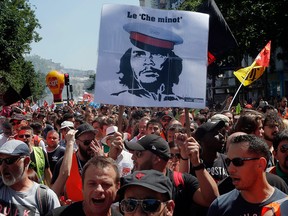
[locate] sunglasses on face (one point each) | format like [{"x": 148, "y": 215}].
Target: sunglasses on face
[
  {"x": 147, "y": 205},
  {"x": 284, "y": 148},
  {"x": 9, "y": 160},
  {"x": 86, "y": 142},
  {"x": 176, "y": 156},
  {"x": 24, "y": 135},
  {"x": 238, "y": 161}
]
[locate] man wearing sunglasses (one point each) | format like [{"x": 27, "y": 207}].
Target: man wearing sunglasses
[
  {"x": 146, "y": 192},
  {"x": 226, "y": 184},
  {"x": 17, "y": 191},
  {"x": 17, "y": 120},
  {"x": 39, "y": 160},
  {"x": 152, "y": 152},
  {"x": 247, "y": 160},
  {"x": 73, "y": 162}
]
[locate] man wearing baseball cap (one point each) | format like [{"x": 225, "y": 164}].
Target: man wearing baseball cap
[
  {"x": 17, "y": 191},
  {"x": 88, "y": 147},
  {"x": 212, "y": 137},
  {"x": 64, "y": 128},
  {"x": 146, "y": 191},
  {"x": 152, "y": 153},
  {"x": 151, "y": 62}
]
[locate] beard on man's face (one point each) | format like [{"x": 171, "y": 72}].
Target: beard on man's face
[
  {"x": 161, "y": 78},
  {"x": 270, "y": 138},
  {"x": 86, "y": 153}
]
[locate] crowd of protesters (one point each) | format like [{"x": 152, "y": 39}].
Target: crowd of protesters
[{"x": 210, "y": 162}]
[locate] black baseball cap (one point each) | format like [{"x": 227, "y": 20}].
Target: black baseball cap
[
  {"x": 151, "y": 179},
  {"x": 84, "y": 128},
  {"x": 153, "y": 143},
  {"x": 166, "y": 113},
  {"x": 208, "y": 127}
]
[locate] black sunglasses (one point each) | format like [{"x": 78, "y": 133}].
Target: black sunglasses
[
  {"x": 86, "y": 142},
  {"x": 24, "y": 135},
  {"x": 9, "y": 160},
  {"x": 238, "y": 161},
  {"x": 147, "y": 205}
]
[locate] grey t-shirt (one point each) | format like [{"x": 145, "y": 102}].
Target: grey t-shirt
[{"x": 24, "y": 203}]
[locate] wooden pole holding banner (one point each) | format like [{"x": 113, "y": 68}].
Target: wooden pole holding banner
[
  {"x": 238, "y": 90},
  {"x": 187, "y": 122},
  {"x": 120, "y": 118}
]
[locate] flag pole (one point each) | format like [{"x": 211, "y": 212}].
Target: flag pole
[{"x": 238, "y": 90}]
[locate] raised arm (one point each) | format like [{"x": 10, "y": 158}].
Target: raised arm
[
  {"x": 208, "y": 189},
  {"x": 64, "y": 173}
]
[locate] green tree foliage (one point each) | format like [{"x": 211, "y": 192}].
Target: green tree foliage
[
  {"x": 17, "y": 32},
  {"x": 254, "y": 23}
]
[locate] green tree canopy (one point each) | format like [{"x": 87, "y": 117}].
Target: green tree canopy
[
  {"x": 17, "y": 31},
  {"x": 254, "y": 23}
]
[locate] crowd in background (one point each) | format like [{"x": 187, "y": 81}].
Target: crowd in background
[{"x": 62, "y": 140}]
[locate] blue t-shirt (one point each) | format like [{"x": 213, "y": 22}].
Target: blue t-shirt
[{"x": 232, "y": 203}]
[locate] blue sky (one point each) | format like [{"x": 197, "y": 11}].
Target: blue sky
[{"x": 70, "y": 31}]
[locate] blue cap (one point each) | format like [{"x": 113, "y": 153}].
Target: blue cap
[{"x": 15, "y": 148}]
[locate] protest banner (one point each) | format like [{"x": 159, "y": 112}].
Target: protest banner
[{"x": 151, "y": 57}]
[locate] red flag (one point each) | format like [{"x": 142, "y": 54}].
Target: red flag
[
  {"x": 87, "y": 97},
  {"x": 211, "y": 58},
  {"x": 45, "y": 103},
  {"x": 263, "y": 57},
  {"x": 27, "y": 103},
  {"x": 71, "y": 103}
]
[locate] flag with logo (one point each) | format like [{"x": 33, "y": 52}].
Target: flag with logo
[{"x": 253, "y": 72}]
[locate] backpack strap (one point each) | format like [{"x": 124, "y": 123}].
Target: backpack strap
[
  {"x": 178, "y": 178},
  {"x": 42, "y": 199}
]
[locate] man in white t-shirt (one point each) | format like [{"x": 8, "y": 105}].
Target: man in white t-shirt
[
  {"x": 17, "y": 191},
  {"x": 122, "y": 157}
]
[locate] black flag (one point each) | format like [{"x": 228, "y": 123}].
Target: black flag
[
  {"x": 10, "y": 96},
  {"x": 221, "y": 38},
  {"x": 25, "y": 91}
]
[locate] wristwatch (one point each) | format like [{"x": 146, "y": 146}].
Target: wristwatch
[{"x": 200, "y": 166}]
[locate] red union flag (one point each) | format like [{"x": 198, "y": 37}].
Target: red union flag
[{"x": 263, "y": 57}]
